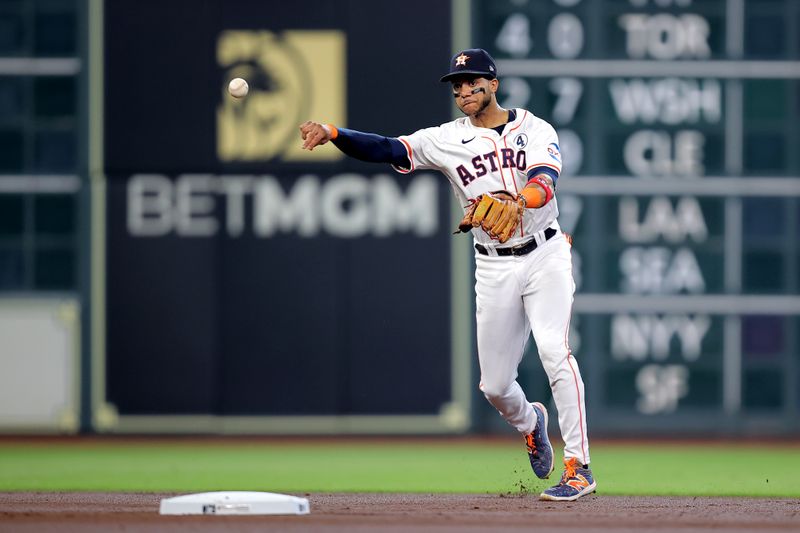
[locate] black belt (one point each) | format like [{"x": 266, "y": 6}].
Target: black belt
[{"x": 521, "y": 249}]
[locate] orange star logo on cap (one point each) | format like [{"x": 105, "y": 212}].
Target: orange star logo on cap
[{"x": 462, "y": 60}]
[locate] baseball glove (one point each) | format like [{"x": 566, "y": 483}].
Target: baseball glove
[{"x": 498, "y": 213}]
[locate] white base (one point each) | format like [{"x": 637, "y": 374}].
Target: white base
[{"x": 234, "y": 503}]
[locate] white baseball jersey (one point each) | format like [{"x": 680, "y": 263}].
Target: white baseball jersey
[{"x": 479, "y": 160}]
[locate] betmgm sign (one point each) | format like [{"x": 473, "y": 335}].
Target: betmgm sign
[{"x": 294, "y": 76}]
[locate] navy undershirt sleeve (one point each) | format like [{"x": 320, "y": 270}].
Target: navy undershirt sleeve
[
  {"x": 544, "y": 170},
  {"x": 371, "y": 147}
]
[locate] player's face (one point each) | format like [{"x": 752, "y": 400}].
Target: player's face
[{"x": 473, "y": 95}]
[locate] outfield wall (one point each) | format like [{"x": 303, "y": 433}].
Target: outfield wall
[{"x": 223, "y": 280}]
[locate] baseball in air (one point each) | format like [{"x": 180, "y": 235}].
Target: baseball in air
[{"x": 238, "y": 88}]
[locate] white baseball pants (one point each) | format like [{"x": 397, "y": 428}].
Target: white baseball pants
[{"x": 517, "y": 295}]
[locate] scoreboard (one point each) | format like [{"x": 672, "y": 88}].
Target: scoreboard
[{"x": 679, "y": 122}]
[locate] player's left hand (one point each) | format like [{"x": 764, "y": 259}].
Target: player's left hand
[
  {"x": 498, "y": 213},
  {"x": 314, "y": 134}
]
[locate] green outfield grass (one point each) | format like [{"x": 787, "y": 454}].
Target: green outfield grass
[{"x": 456, "y": 466}]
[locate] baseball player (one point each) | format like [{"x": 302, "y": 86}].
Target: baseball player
[{"x": 503, "y": 165}]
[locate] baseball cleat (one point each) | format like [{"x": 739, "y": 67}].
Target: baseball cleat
[
  {"x": 576, "y": 481},
  {"x": 540, "y": 452}
]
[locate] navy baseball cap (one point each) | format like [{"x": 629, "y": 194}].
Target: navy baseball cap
[{"x": 471, "y": 61}]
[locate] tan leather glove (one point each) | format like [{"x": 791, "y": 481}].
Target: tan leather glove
[{"x": 498, "y": 213}]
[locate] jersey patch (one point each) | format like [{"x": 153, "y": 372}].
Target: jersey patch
[
  {"x": 521, "y": 141},
  {"x": 554, "y": 151}
]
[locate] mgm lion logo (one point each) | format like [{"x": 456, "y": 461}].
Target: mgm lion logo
[{"x": 293, "y": 77}]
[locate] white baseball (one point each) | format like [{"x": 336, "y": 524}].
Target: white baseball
[{"x": 238, "y": 88}]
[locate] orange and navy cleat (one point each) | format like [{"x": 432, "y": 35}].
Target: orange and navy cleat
[
  {"x": 540, "y": 452},
  {"x": 576, "y": 481}
]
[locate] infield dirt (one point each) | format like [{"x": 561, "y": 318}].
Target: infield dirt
[{"x": 96, "y": 512}]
